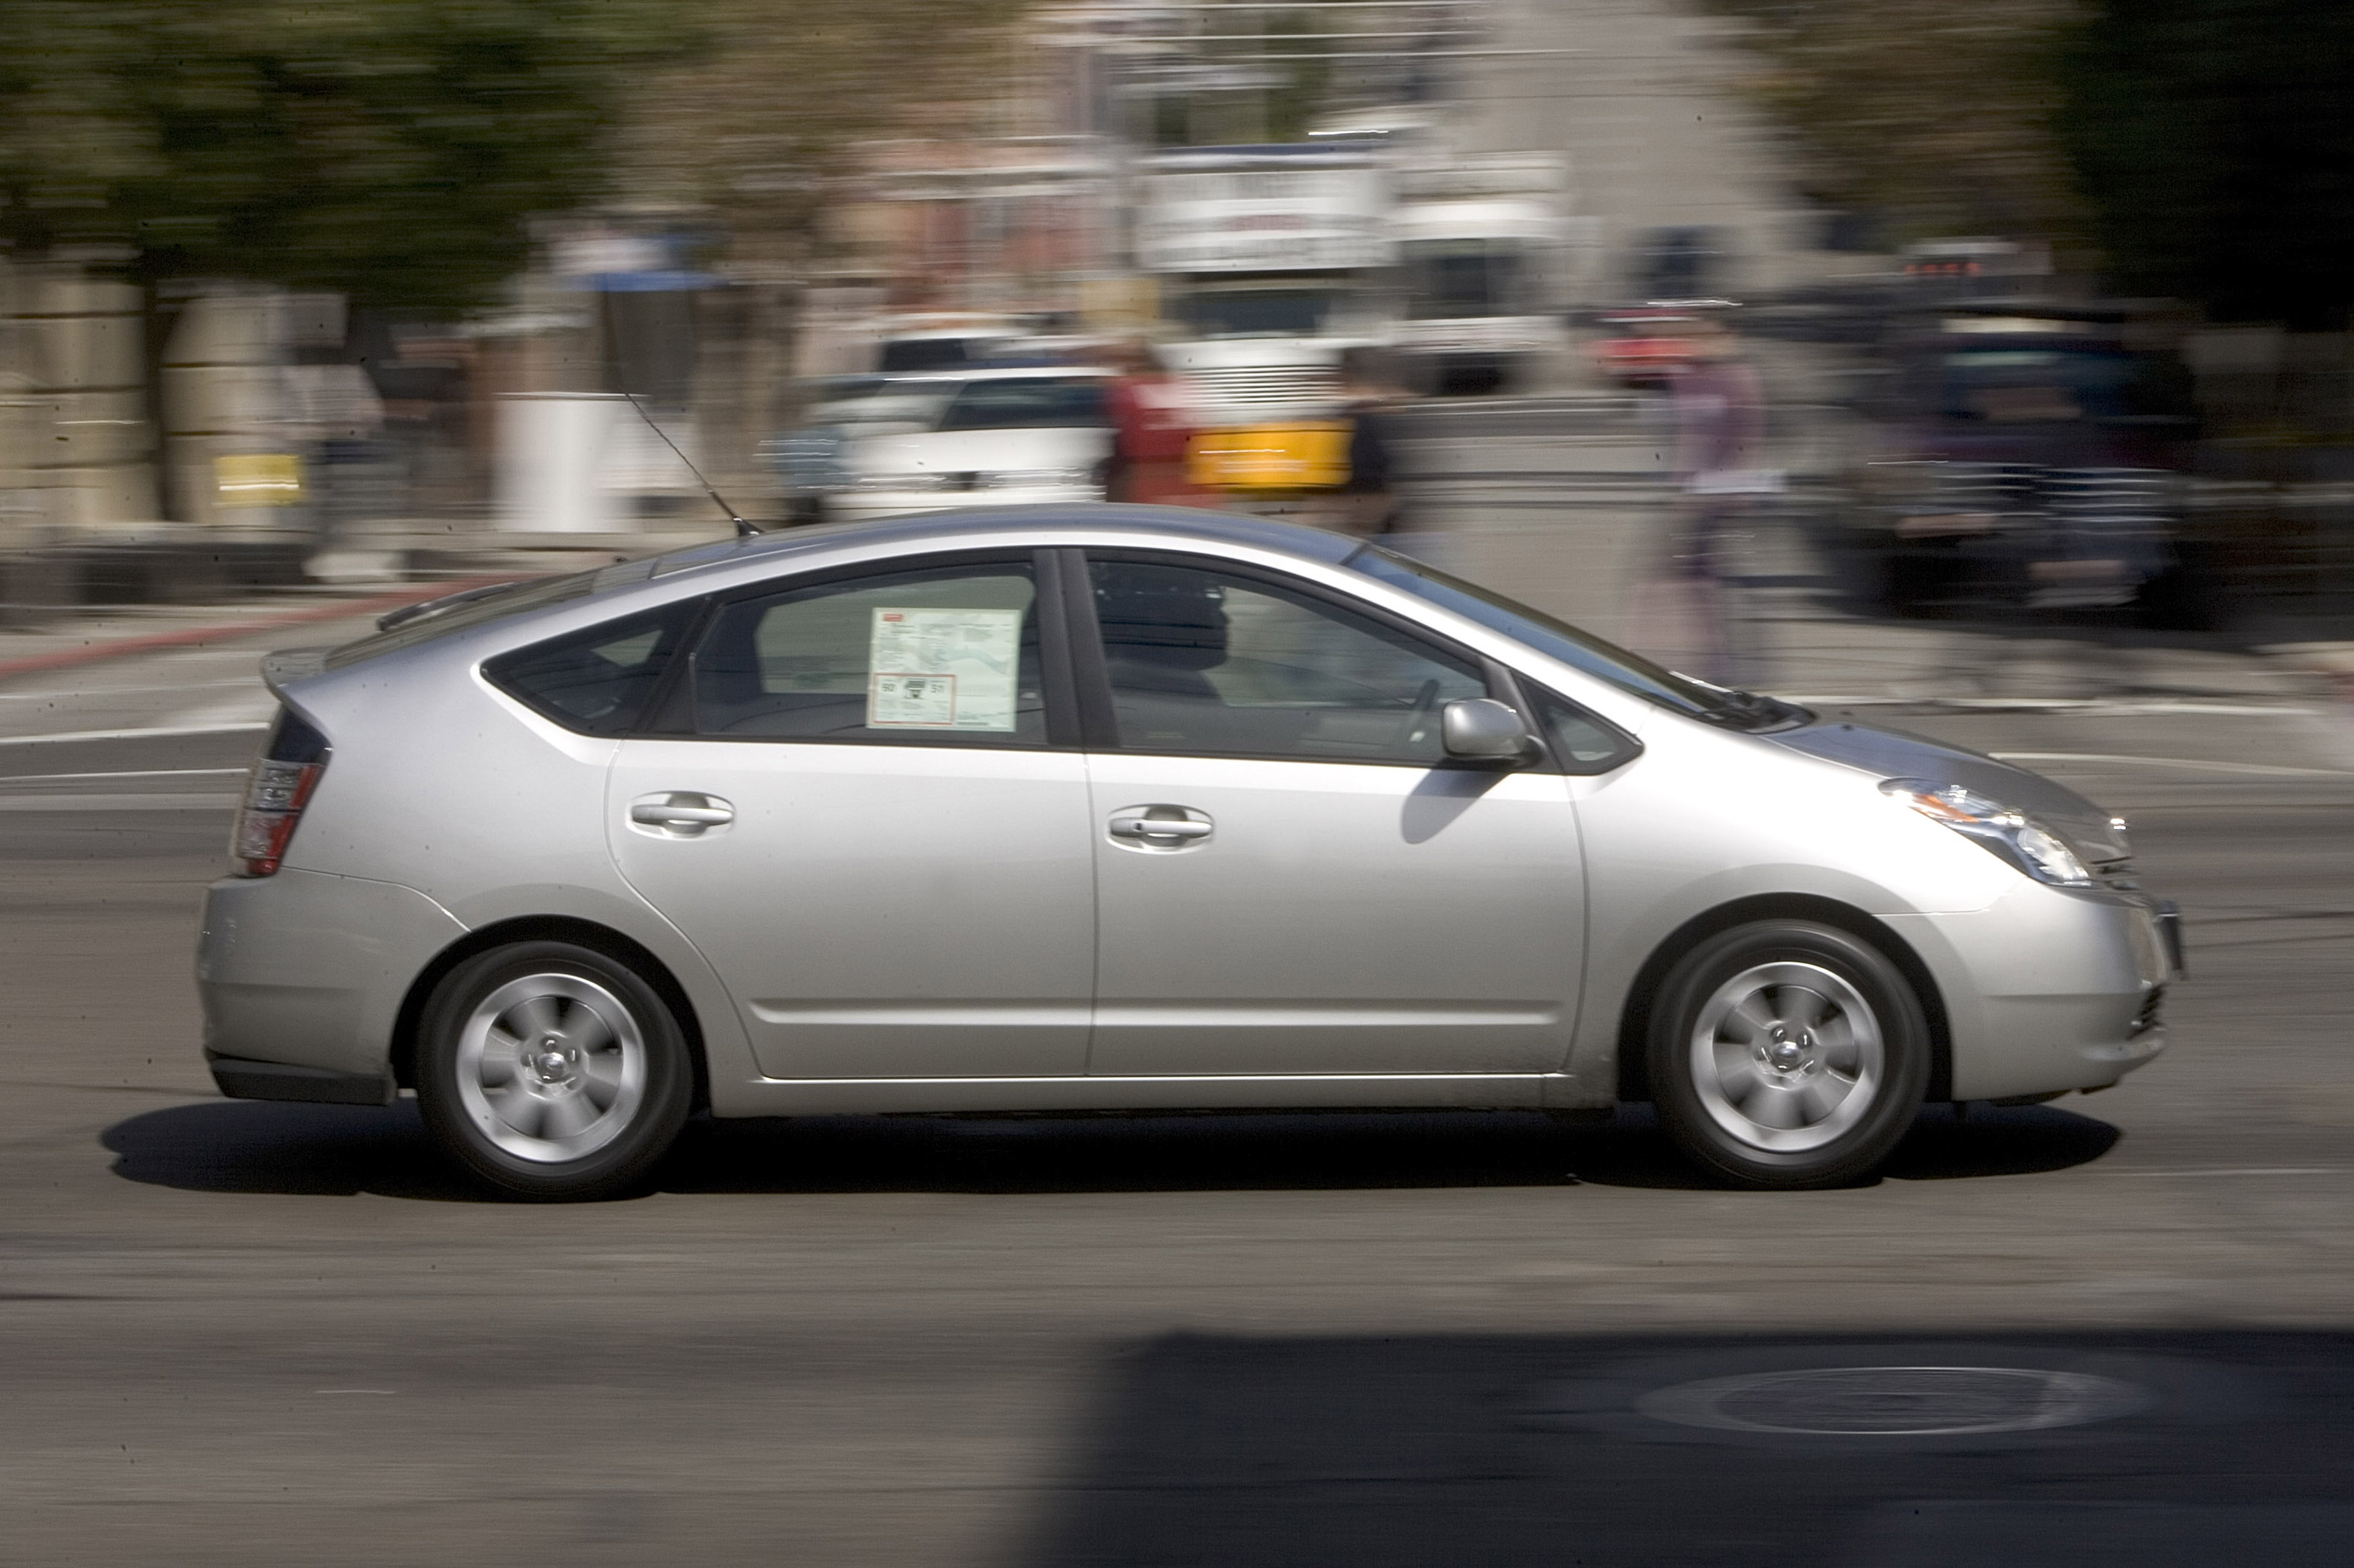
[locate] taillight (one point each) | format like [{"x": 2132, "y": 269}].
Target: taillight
[{"x": 284, "y": 781}]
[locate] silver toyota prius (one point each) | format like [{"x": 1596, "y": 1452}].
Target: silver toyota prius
[{"x": 1097, "y": 808}]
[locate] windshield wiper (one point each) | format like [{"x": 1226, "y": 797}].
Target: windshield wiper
[{"x": 1755, "y": 711}]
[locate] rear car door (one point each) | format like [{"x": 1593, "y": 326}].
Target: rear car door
[
  {"x": 858, "y": 812},
  {"x": 1291, "y": 877}
]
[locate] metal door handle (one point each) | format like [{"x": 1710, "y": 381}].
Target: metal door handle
[
  {"x": 1136, "y": 825},
  {"x": 684, "y": 818}
]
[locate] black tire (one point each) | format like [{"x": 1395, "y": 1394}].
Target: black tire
[
  {"x": 1787, "y": 1054},
  {"x": 600, "y": 1081}
]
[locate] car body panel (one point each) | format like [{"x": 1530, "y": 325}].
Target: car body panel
[
  {"x": 940, "y": 924},
  {"x": 309, "y": 969},
  {"x": 1338, "y": 918}
]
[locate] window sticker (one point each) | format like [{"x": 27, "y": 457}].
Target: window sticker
[{"x": 943, "y": 669}]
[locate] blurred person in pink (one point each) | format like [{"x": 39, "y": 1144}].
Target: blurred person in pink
[
  {"x": 1686, "y": 614},
  {"x": 1152, "y": 422}
]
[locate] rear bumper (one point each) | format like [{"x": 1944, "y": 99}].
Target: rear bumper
[
  {"x": 2048, "y": 990},
  {"x": 243, "y": 1080},
  {"x": 301, "y": 976}
]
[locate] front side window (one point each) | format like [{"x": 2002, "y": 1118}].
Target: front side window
[
  {"x": 596, "y": 681},
  {"x": 943, "y": 656},
  {"x": 1201, "y": 661}
]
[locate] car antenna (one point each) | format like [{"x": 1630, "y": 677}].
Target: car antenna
[{"x": 743, "y": 530}]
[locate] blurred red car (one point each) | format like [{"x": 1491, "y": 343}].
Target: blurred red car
[{"x": 1647, "y": 348}]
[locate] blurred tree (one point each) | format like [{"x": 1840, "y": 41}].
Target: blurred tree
[
  {"x": 1933, "y": 116},
  {"x": 777, "y": 100},
  {"x": 392, "y": 150},
  {"x": 2215, "y": 141}
]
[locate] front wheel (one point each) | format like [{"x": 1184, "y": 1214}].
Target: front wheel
[
  {"x": 1787, "y": 1054},
  {"x": 552, "y": 1071}
]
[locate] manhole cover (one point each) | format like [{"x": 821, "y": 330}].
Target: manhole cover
[{"x": 1895, "y": 1401}]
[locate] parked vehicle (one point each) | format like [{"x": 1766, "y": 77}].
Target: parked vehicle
[
  {"x": 1271, "y": 262},
  {"x": 2018, "y": 457},
  {"x": 1124, "y": 808},
  {"x": 1484, "y": 244},
  {"x": 986, "y": 437},
  {"x": 810, "y": 457}
]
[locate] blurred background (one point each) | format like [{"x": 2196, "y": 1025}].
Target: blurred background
[
  {"x": 1980, "y": 369},
  {"x": 2032, "y": 318}
]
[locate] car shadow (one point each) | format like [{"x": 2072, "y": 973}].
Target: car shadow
[{"x": 244, "y": 1146}]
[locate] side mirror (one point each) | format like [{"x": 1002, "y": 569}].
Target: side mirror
[{"x": 1481, "y": 729}]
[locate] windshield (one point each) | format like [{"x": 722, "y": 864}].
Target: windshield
[
  {"x": 1062, "y": 402},
  {"x": 1257, "y": 312},
  {"x": 1629, "y": 672},
  {"x": 1451, "y": 278}
]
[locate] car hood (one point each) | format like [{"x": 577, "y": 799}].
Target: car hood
[
  {"x": 980, "y": 451},
  {"x": 1894, "y": 754}
]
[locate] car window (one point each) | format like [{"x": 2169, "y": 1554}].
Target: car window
[
  {"x": 948, "y": 655},
  {"x": 1042, "y": 404},
  {"x": 1581, "y": 743},
  {"x": 1203, "y": 662},
  {"x": 597, "y": 682}
]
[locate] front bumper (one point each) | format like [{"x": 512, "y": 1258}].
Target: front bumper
[{"x": 2049, "y": 989}]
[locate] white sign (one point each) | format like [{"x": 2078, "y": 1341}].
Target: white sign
[{"x": 943, "y": 669}]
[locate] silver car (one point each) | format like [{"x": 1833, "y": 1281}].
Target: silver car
[{"x": 1119, "y": 807}]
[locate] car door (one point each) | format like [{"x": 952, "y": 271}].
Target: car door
[
  {"x": 860, "y": 815},
  {"x": 1291, "y": 878}
]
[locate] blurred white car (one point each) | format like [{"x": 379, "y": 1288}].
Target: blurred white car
[{"x": 984, "y": 438}]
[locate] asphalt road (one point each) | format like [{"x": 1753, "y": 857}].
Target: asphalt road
[{"x": 249, "y": 1333}]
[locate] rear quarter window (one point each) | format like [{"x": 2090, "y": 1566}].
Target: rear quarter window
[{"x": 597, "y": 682}]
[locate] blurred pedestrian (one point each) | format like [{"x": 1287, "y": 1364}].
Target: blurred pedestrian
[
  {"x": 1720, "y": 413},
  {"x": 1152, "y": 423},
  {"x": 1371, "y": 399}
]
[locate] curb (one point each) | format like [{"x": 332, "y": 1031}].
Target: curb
[{"x": 123, "y": 647}]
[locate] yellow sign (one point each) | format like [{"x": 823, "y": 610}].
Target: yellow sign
[
  {"x": 259, "y": 479},
  {"x": 1311, "y": 454}
]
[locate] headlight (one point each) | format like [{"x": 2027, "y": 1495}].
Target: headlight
[
  {"x": 2011, "y": 835},
  {"x": 1022, "y": 478}
]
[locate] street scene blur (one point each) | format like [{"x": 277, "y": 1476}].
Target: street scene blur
[{"x": 1983, "y": 375}]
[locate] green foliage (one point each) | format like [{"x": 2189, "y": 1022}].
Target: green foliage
[
  {"x": 1932, "y": 116},
  {"x": 2215, "y": 141},
  {"x": 395, "y": 150}
]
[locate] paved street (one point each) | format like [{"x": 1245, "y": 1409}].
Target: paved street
[{"x": 240, "y": 1332}]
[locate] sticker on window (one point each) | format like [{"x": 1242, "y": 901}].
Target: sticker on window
[{"x": 943, "y": 669}]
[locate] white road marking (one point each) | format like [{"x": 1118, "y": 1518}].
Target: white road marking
[
  {"x": 2194, "y": 763},
  {"x": 118, "y": 802},
  {"x": 94, "y": 691},
  {"x": 2232, "y": 1171},
  {"x": 2095, "y": 707},
  {"x": 161, "y": 733},
  {"x": 257, "y": 703},
  {"x": 140, "y": 773}
]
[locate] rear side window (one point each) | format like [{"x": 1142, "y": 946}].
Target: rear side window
[{"x": 600, "y": 681}]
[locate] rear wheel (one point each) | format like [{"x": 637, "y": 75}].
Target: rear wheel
[
  {"x": 1787, "y": 1054},
  {"x": 553, "y": 1071}
]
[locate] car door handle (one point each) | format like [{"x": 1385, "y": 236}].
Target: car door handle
[
  {"x": 1136, "y": 825},
  {"x": 682, "y": 812}
]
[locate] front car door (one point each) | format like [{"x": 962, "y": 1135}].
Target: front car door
[
  {"x": 862, "y": 818},
  {"x": 1291, "y": 878}
]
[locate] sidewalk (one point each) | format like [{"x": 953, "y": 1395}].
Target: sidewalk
[{"x": 104, "y": 633}]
